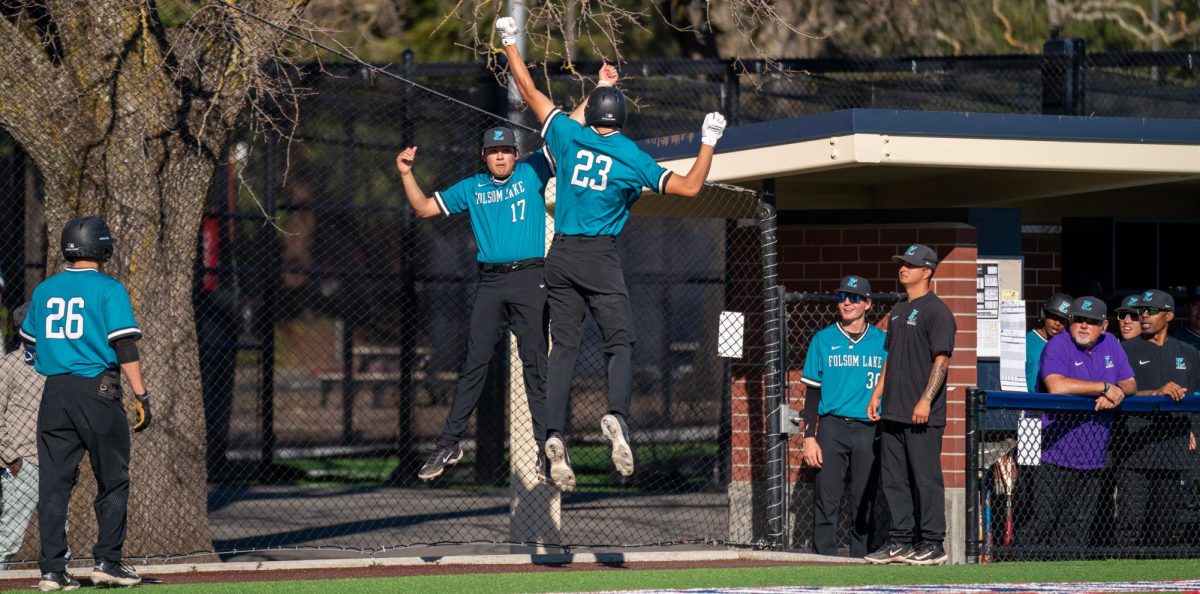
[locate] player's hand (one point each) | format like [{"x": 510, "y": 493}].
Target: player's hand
[
  {"x": 873, "y": 407},
  {"x": 713, "y": 128},
  {"x": 608, "y": 75},
  {"x": 405, "y": 160},
  {"x": 1174, "y": 390},
  {"x": 14, "y": 467},
  {"x": 1191, "y": 441},
  {"x": 920, "y": 414},
  {"x": 812, "y": 453},
  {"x": 507, "y": 27},
  {"x": 1110, "y": 398},
  {"x": 141, "y": 412}
]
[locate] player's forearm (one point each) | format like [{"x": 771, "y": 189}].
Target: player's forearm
[
  {"x": 812, "y": 403},
  {"x": 878, "y": 391},
  {"x": 937, "y": 378},
  {"x": 1061, "y": 384},
  {"x": 690, "y": 185},
  {"x": 133, "y": 373},
  {"x": 538, "y": 102},
  {"x": 1128, "y": 386},
  {"x": 424, "y": 206}
]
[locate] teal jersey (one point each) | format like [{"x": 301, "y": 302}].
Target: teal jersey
[
  {"x": 508, "y": 216},
  {"x": 73, "y": 318},
  {"x": 1034, "y": 345},
  {"x": 845, "y": 370},
  {"x": 600, "y": 176}
]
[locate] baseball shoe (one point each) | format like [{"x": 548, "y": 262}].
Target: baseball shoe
[
  {"x": 561, "y": 475},
  {"x": 437, "y": 463},
  {"x": 107, "y": 573},
  {"x": 892, "y": 552},
  {"x": 617, "y": 432},
  {"x": 927, "y": 553},
  {"x": 57, "y": 581}
]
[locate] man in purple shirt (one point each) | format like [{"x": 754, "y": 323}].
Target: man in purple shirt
[{"x": 1088, "y": 362}]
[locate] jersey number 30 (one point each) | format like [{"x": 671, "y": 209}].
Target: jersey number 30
[
  {"x": 582, "y": 175},
  {"x": 60, "y": 309}
]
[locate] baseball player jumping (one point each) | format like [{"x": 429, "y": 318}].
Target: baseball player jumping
[
  {"x": 508, "y": 217},
  {"x": 601, "y": 174},
  {"x": 84, "y": 335}
]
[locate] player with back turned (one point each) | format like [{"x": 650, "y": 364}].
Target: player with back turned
[
  {"x": 84, "y": 336},
  {"x": 601, "y": 173},
  {"x": 842, "y": 366}
]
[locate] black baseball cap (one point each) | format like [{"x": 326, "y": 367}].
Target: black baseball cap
[
  {"x": 1092, "y": 308},
  {"x": 921, "y": 256},
  {"x": 1128, "y": 304},
  {"x": 1157, "y": 299},
  {"x": 499, "y": 136},
  {"x": 856, "y": 285},
  {"x": 1057, "y": 305}
]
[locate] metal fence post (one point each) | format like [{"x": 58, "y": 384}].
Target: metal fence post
[
  {"x": 266, "y": 318},
  {"x": 974, "y": 399},
  {"x": 405, "y": 457},
  {"x": 772, "y": 374}
]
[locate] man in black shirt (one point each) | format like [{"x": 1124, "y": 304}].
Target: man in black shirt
[
  {"x": 1151, "y": 452},
  {"x": 912, "y": 392}
]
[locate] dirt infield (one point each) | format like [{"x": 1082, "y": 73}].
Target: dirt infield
[{"x": 381, "y": 571}]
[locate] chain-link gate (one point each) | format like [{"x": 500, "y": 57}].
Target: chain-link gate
[
  {"x": 805, "y": 315},
  {"x": 1049, "y": 478}
]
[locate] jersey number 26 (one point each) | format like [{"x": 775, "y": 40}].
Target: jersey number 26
[{"x": 60, "y": 309}]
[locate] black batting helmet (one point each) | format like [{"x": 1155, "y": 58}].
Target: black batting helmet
[
  {"x": 606, "y": 108},
  {"x": 87, "y": 238}
]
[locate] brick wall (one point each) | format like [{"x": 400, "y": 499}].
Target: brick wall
[
  {"x": 1043, "y": 271},
  {"x": 815, "y": 259}
]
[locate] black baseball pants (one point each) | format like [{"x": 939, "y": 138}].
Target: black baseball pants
[
  {"x": 81, "y": 414},
  {"x": 845, "y": 444},
  {"x": 515, "y": 298},
  {"x": 910, "y": 462},
  {"x": 584, "y": 274}
]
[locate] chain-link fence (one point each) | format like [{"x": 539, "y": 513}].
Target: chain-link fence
[
  {"x": 1050, "y": 478},
  {"x": 332, "y": 325},
  {"x": 806, "y": 314}
]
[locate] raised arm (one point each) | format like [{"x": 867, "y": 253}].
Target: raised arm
[
  {"x": 690, "y": 185},
  {"x": 607, "y": 77},
  {"x": 422, "y": 205},
  {"x": 535, "y": 99}
]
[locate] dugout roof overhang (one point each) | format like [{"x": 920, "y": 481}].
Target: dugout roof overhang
[{"x": 869, "y": 158}]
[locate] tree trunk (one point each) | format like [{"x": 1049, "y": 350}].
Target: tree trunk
[{"x": 125, "y": 118}]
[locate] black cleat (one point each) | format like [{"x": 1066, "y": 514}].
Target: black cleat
[
  {"x": 892, "y": 552},
  {"x": 927, "y": 553},
  {"x": 614, "y": 428},
  {"x": 57, "y": 581},
  {"x": 107, "y": 573},
  {"x": 437, "y": 463}
]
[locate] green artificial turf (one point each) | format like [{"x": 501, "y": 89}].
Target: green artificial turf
[{"x": 634, "y": 579}]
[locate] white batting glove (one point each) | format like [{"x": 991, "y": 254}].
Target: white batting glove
[
  {"x": 714, "y": 127},
  {"x": 507, "y": 27}
]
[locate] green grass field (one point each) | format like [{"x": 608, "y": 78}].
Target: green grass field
[
  {"x": 853, "y": 575},
  {"x": 680, "y": 467}
]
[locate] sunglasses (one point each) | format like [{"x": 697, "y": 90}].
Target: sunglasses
[
  {"x": 1086, "y": 320},
  {"x": 1127, "y": 315},
  {"x": 1149, "y": 311},
  {"x": 853, "y": 297}
]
